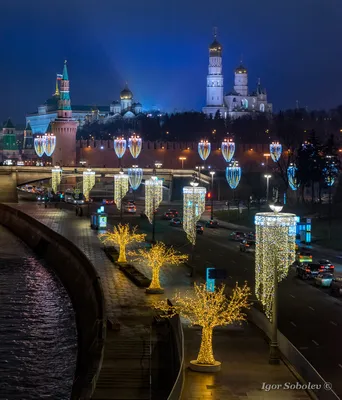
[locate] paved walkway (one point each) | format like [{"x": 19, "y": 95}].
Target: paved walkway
[{"x": 244, "y": 352}]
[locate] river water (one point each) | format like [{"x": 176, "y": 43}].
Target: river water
[{"x": 38, "y": 338}]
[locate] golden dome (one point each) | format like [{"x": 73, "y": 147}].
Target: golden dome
[
  {"x": 215, "y": 48},
  {"x": 241, "y": 69},
  {"x": 126, "y": 94}
]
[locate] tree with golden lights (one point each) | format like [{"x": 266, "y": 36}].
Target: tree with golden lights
[
  {"x": 208, "y": 310},
  {"x": 122, "y": 236},
  {"x": 156, "y": 258}
]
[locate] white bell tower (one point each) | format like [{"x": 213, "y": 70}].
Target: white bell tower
[{"x": 215, "y": 77}]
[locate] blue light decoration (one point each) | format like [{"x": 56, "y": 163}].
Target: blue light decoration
[
  {"x": 233, "y": 174},
  {"x": 210, "y": 283},
  {"x": 292, "y": 176},
  {"x": 204, "y": 148},
  {"x": 275, "y": 150},
  {"x": 120, "y": 146},
  {"x": 49, "y": 144},
  {"x": 39, "y": 145},
  {"x": 135, "y": 175},
  {"x": 228, "y": 149},
  {"x": 330, "y": 171},
  {"x": 135, "y": 145}
]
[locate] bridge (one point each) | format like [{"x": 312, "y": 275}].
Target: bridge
[{"x": 13, "y": 176}]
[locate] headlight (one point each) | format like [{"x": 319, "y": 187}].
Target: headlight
[
  {"x": 75, "y": 201},
  {"x": 82, "y": 201}
]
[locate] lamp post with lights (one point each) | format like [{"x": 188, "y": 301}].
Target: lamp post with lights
[
  {"x": 212, "y": 173},
  {"x": 182, "y": 159},
  {"x": 268, "y": 177}
]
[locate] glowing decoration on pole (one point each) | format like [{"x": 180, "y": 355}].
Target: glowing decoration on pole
[
  {"x": 120, "y": 146},
  {"x": 49, "y": 144},
  {"x": 193, "y": 208},
  {"x": 204, "y": 148},
  {"x": 330, "y": 172},
  {"x": 39, "y": 145},
  {"x": 292, "y": 176},
  {"x": 228, "y": 149},
  {"x": 56, "y": 178},
  {"x": 135, "y": 177},
  {"x": 88, "y": 182},
  {"x": 134, "y": 145},
  {"x": 120, "y": 188},
  {"x": 233, "y": 174},
  {"x": 275, "y": 150},
  {"x": 153, "y": 196}
]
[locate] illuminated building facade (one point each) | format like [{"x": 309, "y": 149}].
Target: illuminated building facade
[
  {"x": 238, "y": 102},
  {"x": 9, "y": 142}
]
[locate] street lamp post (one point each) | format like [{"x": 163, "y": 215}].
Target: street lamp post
[
  {"x": 267, "y": 176},
  {"x": 199, "y": 167},
  {"x": 182, "y": 159},
  {"x": 212, "y": 173}
]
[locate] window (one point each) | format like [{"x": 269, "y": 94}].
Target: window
[{"x": 262, "y": 107}]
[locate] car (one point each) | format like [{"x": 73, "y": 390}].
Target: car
[
  {"x": 173, "y": 211},
  {"x": 238, "y": 235},
  {"x": 327, "y": 264},
  {"x": 336, "y": 287},
  {"x": 176, "y": 222},
  {"x": 250, "y": 235},
  {"x": 168, "y": 216},
  {"x": 212, "y": 224},
  {"x": 247, "y": 246},
  {"x": 324, "y": 280},
  {"x": 130, "y": 209},
  {"x": 303, "y": 256},
  {"x": 311, "y": 270},
  {"x": 199, "y": 229},
  {"x": 107, "y": 201}
]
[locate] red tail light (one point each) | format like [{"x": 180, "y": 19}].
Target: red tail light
[
  {"x": 332, "y": 266},
  {"x": 307, "y": 270}
]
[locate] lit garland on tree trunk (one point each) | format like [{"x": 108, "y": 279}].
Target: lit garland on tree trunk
[
  {"x": 193, "y": 208},
  {"x": 120, "y": 188},
  {"x": 153, "y": 196},
  {"x": 88, "y": 182},
  {"x": 275, "y": 248},
  {"x": 56, "y": 178}
]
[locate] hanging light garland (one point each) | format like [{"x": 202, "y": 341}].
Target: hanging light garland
[
  {"x": 88, "y": 182},
  {"x": 233, "y": 174},
  {"x": 153, "y": 196},
  {"x": 292, "y": 176},
  {"x": 204, "y": 148},
  {"x": 193, "y": 208},
  {"x": 135, "y": 175},
  {"x": 330, "y": 171},
  {"x": 275, "y": 151},
  {"x": 135, "y": 145},
  {"x": 120, "y": 146},
  {"x": 39, "y": 145},
  {"x": 228, "y": 149},
  {"x": 275, "y": 248},
  {"x": 120, "y": 188},
  {"x": 49, "y": 144},
  {"x": 56, "y": 178}
]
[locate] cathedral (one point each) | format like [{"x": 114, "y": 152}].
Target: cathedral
[
  {"x": 238, "y": 102},
  {"x": 124, "y": 108}
]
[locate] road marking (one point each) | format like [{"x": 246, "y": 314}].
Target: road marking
[
  {"x": 311, "y": 308},
  {"x": 340, "y": 365},
  {"x": 333, "y": 323},
  {"x": 292, "y": 296},
  {"x": 292, "y": 323},
  {"x": 303, "y": 348},
  {"x": 314, "y": 341}
]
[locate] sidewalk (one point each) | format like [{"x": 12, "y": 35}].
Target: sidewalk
[{"x": 243, "y": 352}]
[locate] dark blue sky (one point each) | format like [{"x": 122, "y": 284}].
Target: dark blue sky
[{"x": 161, "y": 49}]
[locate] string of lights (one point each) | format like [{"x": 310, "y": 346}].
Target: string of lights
[
  {"x": 135, "y": 176},
  {"x": 120, "y": 146},
  {"x": 153, "y": 196},
  {"x": 233, "y": 174},
  {"x": 292, "y": 176},
  {"x": 88, "y": 182},
  {"x": 56, "y": 178},
  {"x": 204, "y": 148},
  {"x": 193, "y": 208},
  {"x": 228, "y": 149},
  {"x": 120, "y": 188},
  {"x": 49, "y": 144},
  {"x": 39, "y": 145},
  {"x": 275, "y": 151},
  {"x": 275, "y": 249},
  {"x": 135, "y": 145}
]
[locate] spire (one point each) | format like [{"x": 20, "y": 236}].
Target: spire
[
  {"x": 57, "y": 89},
  {"x": 215, "y": 32},
  {"x": 65, "y": 72},
  {"x": 28, "y": 126},
  {"x": 9, "y": 124}
]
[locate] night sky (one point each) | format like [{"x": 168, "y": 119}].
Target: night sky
[{"x": 161, "y": 49}]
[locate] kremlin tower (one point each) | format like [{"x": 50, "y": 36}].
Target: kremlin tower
[{"x": 64, "y": 127}]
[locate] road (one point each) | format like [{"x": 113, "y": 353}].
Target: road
[{"x": 310, "y": 318}]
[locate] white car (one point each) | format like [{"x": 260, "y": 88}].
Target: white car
[{"x": 130, "y": 209}]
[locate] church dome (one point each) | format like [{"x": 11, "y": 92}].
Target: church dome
[
  {"x": 215, "y": 49},
  {"x": 241, "y": 69},
  {"x": 126, "y": 94}
]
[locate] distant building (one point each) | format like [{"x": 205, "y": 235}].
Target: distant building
[
  {"x": 28, "y": 151},
  {"x": 124, "y": 108},
  {"x": 238, "y": 102},
  {"x": 9, "y": 142}
]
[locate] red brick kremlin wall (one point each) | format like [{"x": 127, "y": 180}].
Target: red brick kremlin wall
[{"x": 99, "y": 153}]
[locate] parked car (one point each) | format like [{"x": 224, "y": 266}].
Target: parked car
[
  {"x": 311, "y": 270},
  {"x": 176, "y": 222},
  {"x": 324, "y": 280},
  {"x": 247, "y": 246},
  {"x": 336, "y": 286},
  {"x": 237, "y": 235},
  {"x": 212, "y": 224},
  {"x": 168, "y": 216},
  {"x": 199, "y": 229}
]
